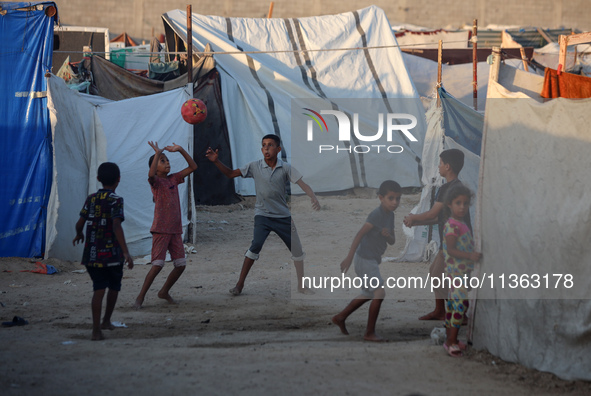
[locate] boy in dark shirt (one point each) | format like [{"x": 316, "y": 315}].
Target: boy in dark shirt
[
  {"x": 366, "y": 253},
  {"x": 105, "y": 249}
]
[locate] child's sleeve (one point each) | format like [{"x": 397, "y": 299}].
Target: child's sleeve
[
  {"x": 178, "y": 178},
  {"x": 374, "y": 219},
  {"x": 85, "y": 208},
  {"x": 451, "y": 229},
  {"x": 117, "y": 209},
  {"x": 153, "y": 181},
  {"x": 246, "y": 170},
  {"x": 293, "y": 173}
]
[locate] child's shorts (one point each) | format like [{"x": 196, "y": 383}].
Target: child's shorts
[
  {"x": 284, "y": 227},
  {"x": 171, "y": 242},
  {"x": 371, "y": 269},
  {"x": 103, "y": 277}
]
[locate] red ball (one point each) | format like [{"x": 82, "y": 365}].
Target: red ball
[{"x": 194, "y": 111}]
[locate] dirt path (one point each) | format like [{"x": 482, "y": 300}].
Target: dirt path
[{"x": 266, "y": 341}]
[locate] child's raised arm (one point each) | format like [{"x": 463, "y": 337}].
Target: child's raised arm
[
  {"x": 213, "y": 157},
  {"x": 308, "y": 190},
  {"x": 192, "y": 165},
  {"x": 356, "y": 241},
  {"x": 154, "y": 166}
]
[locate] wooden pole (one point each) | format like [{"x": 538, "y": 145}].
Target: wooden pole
[
  {"x": 475, "y": 63},
  {"x": 439, "y": 61},
  {"x": 571, "y": 33},
  {"x": 189, "y": 45},
  {"x": 270, "y": 13},
  {"x": 523, "y": 59},
  {"x": 564, "y": 42}
]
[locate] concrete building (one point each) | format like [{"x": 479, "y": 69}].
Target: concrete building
[{"x": 142, "y": 18}]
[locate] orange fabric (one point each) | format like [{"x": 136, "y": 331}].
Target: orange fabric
[{"x": 566, "y": 85}]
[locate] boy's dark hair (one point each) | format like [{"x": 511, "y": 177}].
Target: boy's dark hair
[
  {"x": 454, "y": 192},
  {"x": 455, "y": 159},
  {"x": 151, "y": 160},
  {"x": 387, "y": 186},
  {"x": 108, "y": 173},
  {"x": 274, "y": 137}
]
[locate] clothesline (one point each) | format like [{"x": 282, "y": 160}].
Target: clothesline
[{"x": 262, "y": 52}]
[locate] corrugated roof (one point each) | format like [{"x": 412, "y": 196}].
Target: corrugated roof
[{"x": 527, "y": 37}]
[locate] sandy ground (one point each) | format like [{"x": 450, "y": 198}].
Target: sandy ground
[{"x": 269, "y": 340}]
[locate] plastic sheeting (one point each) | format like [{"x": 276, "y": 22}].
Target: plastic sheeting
[
  {"x": 86, "y": 134},
  {"x": 457, "y": 79},
  {"x": 113, "y": 82},
  {"x": 548, "y": 57},
  {"x": 453, "y": 125},
  {"x": 258, "y": 88},
  {"x": 536, "y": 219},
  {"x": 26, "y": 40}
]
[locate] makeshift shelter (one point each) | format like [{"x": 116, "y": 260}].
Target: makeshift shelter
[
  {"x": 457, "y": 79},
  {"x": 125, "y": 39},
  {"x": 578, "y": 57},
  {"x": 495, "y": 36},
  {"x": 266, "y": 63},
  {"x": 535, "y": 220},
  {"x": 70, "y": 41},
  {"x": 26, "y": 40},
  {"x": 451, "y": 125},
  {"x": 115, "y": 83},
  {"x": 88, "y": 130}
]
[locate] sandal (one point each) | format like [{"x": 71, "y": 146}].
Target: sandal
[
  {"x": 453, "y": 350},
  {"x": 16, "y": 321}
]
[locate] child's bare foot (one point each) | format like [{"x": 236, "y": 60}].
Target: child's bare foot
[
  {"x": 433, "y": 316},
  {"x": 167, "y": 297},
  {"x": 97, "y": 335},
  {"x": 138, "y": 303},
  {"x": 235, "y": 291},
  {"x": 341, "y": 323},
  {"x": 107, "y": 326},
  {"x": 374, "y": 338},
  {"x": 305, "y": 290}
]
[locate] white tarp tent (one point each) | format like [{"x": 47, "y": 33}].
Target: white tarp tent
[
  {"x": 301, "y": 60},
  {"x": 536, "y": 219},
  {"x": 457, "y": 79},
  {"x": 548, "y": 56},
  {"x": 89, "y": 130}
]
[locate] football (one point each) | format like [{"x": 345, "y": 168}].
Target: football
[{"x": 194, "y": 111}]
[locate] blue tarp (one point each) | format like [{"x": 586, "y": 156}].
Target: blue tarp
[
  {"x": 461, "y": 123},
  {"x": 26, "y": 46}
]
